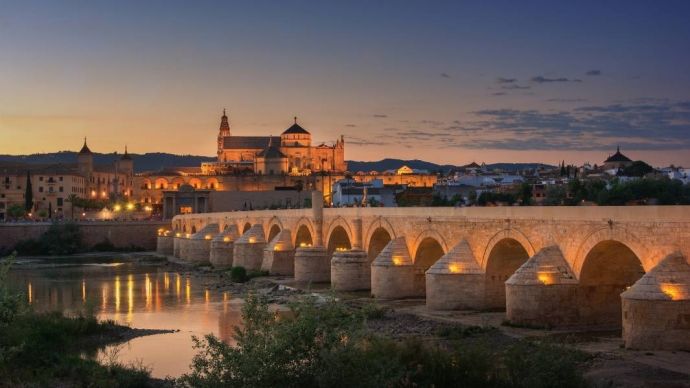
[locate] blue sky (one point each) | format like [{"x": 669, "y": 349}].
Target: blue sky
[{"x": 450, "y": 82}]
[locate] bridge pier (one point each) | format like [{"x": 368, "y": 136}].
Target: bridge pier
[
  {"x": 199, "y": 244},
  {"x": 312, "y": 264},
  {"x": 222, "y": 247},
  {"x": 455, "y": 281},
  {"x": 184, "y": 246},
  {"x": 279, "y": 255},
  {"x": 656, "y": 309},
  {"x": 393, "y": 272},
  {"x": 248, "y": 250},
  {"x": 543, "y": 291},
  {"x": 176, "y": 244},
  {"x": 164, "y": 243},
  {"x": 350, "y": 270}
]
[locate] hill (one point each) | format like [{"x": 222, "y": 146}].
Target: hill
[{"x": 154, "y": 161}]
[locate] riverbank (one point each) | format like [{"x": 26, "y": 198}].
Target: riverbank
[{"x": 608, "y": 363}]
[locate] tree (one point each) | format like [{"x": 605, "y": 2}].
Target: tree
[
  {"x": 50, "y": 210},
  {"x": 16, "y": 211},
  {"x": 563, "y": 168},
  {"x": 28, "y": 194},
  {"x": 638, "y": 168},
  {"x": 525, "y": 194},
  {"x": 72, "y": 199}
]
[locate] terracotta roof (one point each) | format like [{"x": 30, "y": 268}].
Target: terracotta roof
[{"x": 271, "y": 152}]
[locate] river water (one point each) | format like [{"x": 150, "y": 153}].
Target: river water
[{"x": 138, "y": 295}]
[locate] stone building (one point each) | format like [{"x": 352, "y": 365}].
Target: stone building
[
  {"x": 617, "y": 160},
  {"x": 53, "y": 184},
  {"x": 290, "y": 153}
]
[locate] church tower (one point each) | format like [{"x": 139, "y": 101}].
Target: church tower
[
  {"x": 85, "y": 160},
  {"x": 223, "y": 132}
]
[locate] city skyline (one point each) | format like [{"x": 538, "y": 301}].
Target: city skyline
[{"x": 447, "y": 83}]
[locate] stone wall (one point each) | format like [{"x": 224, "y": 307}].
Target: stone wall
[{"x": 122, "y": 234}]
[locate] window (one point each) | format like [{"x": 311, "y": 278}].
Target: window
[
  {"x": 61, "y": 189},
  {"x": 60, "y": 179},
  {"x": 185, "y": 209},
  {"x": 40, "y": 178},
  {"x": 59, "y": 201},
  {"x": 40, "y": 189}
]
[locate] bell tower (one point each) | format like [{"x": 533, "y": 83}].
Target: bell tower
[{"x": 222, "y": 132}]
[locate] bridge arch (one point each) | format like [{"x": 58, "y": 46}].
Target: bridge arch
[
  {"x": 245, "y": 228},
  {"x": 620, "y": 235},
  {"x": 304, "y": 233},
  {"x": 338, "y": 238},
  {"x": 608, "y": 269},
  {"x": 374, "y": 230},
  {"x": 342, "y": 223},
  {"x": 506, "y": 251},
  {"x": 428, "y": 248},
  {"x": 273, "y": 231},
  {"x": 425, "y": 237},
  {"x": 379, "y": 238}
]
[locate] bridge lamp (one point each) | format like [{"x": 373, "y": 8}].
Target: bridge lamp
[
  {"x": 455, "y": 268},
  {"x": 226, "y": 239},
  {"x": 117, "y": 208},
  {"x": 252, "y": 240},
  {"x": 397, "y": 260},
  {"x": 546, "y": 278},
  {"x": 188, "y": 235},
  {"x": 675, "y": 291},
  {"x": 208, "y": 237},
  {"x": 130, "y": 206},
  {"x": 178, "y": 234}
]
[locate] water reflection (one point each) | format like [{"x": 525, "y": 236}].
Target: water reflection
[{"x": 140, "y": 296}]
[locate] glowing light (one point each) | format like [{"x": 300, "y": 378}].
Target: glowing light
[
  {"x": 455, "y": 268},
  {"x": 83, "y": 214},
  {"x": 208, "y": 237},
  {"x": 276, "y": 248},
  {"x": 341, "y": 249},
  {"x": 675, "y": 291},
  {"x": 148, "y": 208},
  {"x": 93, "y": 193},
  {"x": 188, "y": 235},
  {"x": 188, "y": 291},
  {"x": 148, "y": 291},
  {"x": 252, "y": 240},
  {"x": 226, "y": 239},
  {"x": 104, "y": 296},
  {"x": 117, "y": 294},
  {"x": 30, "y": 293},
  {"x": 304, "y": 245},
  {"x": 166, "y": 280},
  {"x": 397, "y": 260},
  {"x": 130, "y": 297},
  {"x": 178, "y": 234},
  {"x": 546, "y": 278},
  {"x": 130, "y": 206},
  {"x": 117, "y": 208},
  {"x": 83, "y": 291},
  {"x": 177, "y": 285}
]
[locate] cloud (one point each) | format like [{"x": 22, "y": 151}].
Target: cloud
[
  {"x": 445, "y": 75},
  {"x": 350, "y": 125},
  {"x": 501, "y": 80},
  {"x": 567, "y": 100},
  {"x": 498, "y": 94},
  {"x": 380, "y": 116},
  {"x": 515, "y": 87},
  {"x": 593, "y": 72},
  {"x": 541, "y": 79}
]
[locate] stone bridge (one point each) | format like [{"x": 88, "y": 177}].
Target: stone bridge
[{"x": 545, "y": 266}]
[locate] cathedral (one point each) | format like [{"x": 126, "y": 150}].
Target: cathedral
[{"x": 291, "y": 153}]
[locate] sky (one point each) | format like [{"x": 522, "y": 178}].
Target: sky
[{"x": 442, "y": 81}]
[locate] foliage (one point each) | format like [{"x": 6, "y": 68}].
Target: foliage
[
  {"x": 28, "y": 194},
  {"x": 16, "y": 211},
  {"x": 45, "y": 349},
  {"x": 238, "y": 274},
  {"x": 525, "y": 194},
  {"x": 326, "y": 344},
  {"x": 488, "y": 197},
  {"x": 638, "y": 168},
  {"x": 59, "y": 239}
]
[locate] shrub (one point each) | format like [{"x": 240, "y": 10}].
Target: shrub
[
  {"x": 59, "y": 239},
  {"x": 238, "y": 275},
  {"x": 104, "y": 246},
  {"x": 327, "y": 345}
]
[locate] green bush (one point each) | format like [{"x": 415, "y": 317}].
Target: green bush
[
  {"x": 59, "y": 239},
  {"x": 238, "y": 274},
  {"x": 327, "y": 345}
]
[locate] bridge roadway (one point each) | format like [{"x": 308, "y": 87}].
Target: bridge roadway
[{"x": 545, "y": 266}]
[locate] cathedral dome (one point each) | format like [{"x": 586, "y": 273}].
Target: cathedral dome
[{"x": 296, "y": 129}]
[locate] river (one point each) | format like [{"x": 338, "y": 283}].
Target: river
[{"x": 137, "y": 295}]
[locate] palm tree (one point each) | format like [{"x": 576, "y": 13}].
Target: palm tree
[{"x": 72, "y": 199}]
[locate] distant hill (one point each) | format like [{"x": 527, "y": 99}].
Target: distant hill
[
  {"x": 142, "y": 162},
  {"x": 393, "y": 164},
  {"x": 158, "y": 160}
]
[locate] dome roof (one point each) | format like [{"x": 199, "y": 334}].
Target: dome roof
[
  {"x": 617, "y": 157},
  {"x": 296, "y": 129}
]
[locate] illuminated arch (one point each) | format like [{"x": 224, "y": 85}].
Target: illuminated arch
[{"x": 507, "y": 234}]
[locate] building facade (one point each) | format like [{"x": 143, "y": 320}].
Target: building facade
[{"x": 53, "y": 184}]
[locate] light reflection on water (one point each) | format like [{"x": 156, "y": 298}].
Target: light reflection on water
[{"x": 140, "y": 296}]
